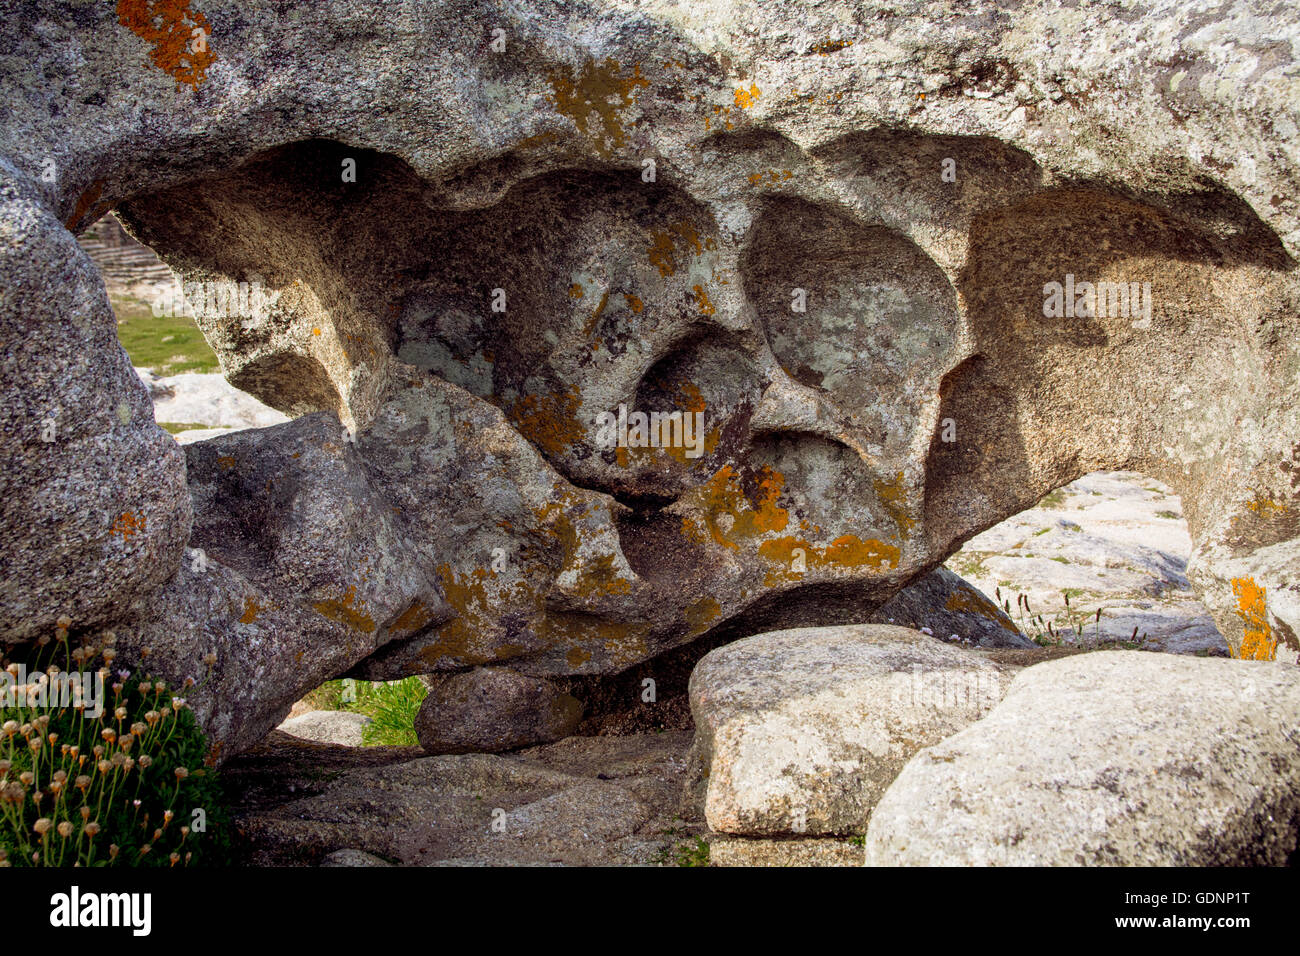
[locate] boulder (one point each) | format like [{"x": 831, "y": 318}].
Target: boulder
[
  {"x": 94, "y": 513},
  {"x": 800, "y": 732},
  {"x": 1115, "y": 758},
  {"x": 491, "y": 709}
]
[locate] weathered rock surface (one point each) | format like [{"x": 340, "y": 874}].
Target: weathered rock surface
[
  {"x": 93, "y": 507},
  {"x": 757, "y": 851},
  {"x": 328, "y": 727},
  {"x": 952, "y": 610},
  {"x": 800, "y": 732},
  {"x": 350, "y": 857},
  {"x": 581, "y": 801},
  {"x": 297, "y": 570},
  {"x": 502, "y": 269},
  {"x": 1112, "y": 758},
  {"x": 491, "y": 709}
]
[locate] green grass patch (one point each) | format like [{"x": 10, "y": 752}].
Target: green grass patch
[
  {"x": 1172, "y": 515},
  {"x": 391, "y": 707},
  {"x": 1054, "y": 500},
  {"x": 168, "y": 344},
  {"x": 175, "y": 428}
]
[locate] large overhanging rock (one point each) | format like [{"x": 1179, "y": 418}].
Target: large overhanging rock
[{"x": 830, "y": 230}]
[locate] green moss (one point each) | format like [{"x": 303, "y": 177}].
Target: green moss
[{"x": 694, "y": 854}]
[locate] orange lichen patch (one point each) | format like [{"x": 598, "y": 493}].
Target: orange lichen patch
[
  {"x": 554, "y": 517},
  {"x": 893, "y": 496},
  {"x": 691, "y": 398},
  {"x": 635, "y": 304},
  {"x": 723, "y": 495},
  {"x": 252, "y": 610},
  {"x": 828, "y": 47},
  {"x": 347, "y": 610},
  {"x": 315, "y": 331},
  {"x": 652, "y": 455},
  {"x": 599, "y": 576},
  {"x": 575, "y": 291},
  {"x": 226, "y": 462},
  {"x": 847, "y": 552},
  {"x": 699, "y": 614},
  {"x": 622, "y": 643},
  {"x": 590, "y": 327},
  {"x": 468, "y": 597},
  {"x": 84, "y": 203},
  {"x": 968, "y": 600},
  {"x": 850, "y": 551},
  {"x": 600, "y": 88},
  {"x": 1257, "y": 641},
  {"x": 678, "y": 240},
  {"x": 1264, "y": 505},
  {"x": 127, "y": 524},
  {"x": 549, "y": 421},
  {"x": 719, "y": 112},
  {"x": 661, "y": 252},
  {"x": 175, "y": 31},
  {"x": 537, "y": 139},
  {"x": 702, "y": 301},
  {"x": 412, "y": 619},
  {"x": 771, "y": 174},
  {"x": 746, "y": 98}
]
